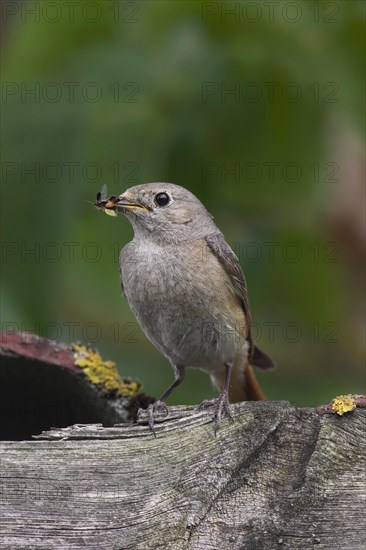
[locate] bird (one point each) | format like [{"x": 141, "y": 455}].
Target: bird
[{"x": 187, "y": 290}]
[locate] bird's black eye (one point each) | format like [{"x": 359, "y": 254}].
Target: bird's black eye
[{"x": 162, "y": 199}]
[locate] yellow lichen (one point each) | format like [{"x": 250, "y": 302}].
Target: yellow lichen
[
  {"x": 103, "y": 373},
  {"x": 343, "y": 404}
]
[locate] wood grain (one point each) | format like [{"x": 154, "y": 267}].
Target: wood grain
[{"x": 276, "y": 477}]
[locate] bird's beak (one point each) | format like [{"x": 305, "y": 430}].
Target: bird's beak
[{"x": 124, "y": 202}]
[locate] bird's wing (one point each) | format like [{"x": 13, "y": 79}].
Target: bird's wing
[
  {"x": 230, "y": 263},
  {"x": 120, "y": 270}
]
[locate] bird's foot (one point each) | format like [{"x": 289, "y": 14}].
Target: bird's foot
[
  {"x": 222, "y": 405},
  {"x": 158, "y": 406}
]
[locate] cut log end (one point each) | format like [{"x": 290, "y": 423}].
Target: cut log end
[{"x": 45, "y": 384}]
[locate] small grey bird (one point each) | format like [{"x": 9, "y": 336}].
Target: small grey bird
[{"x": 187, "y": 290}]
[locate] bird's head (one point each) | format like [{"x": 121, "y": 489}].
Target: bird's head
[{"x": 165, "y": 212}]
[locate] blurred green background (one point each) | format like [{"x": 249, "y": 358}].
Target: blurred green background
[{"x": 256, "y": 107}]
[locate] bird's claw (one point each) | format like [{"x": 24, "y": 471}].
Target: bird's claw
[
  {"x": 152, "y": 409},
  {"x": 222, "y": 405}
]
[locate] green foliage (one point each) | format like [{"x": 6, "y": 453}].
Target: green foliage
[{"x": 162, "y": 126}]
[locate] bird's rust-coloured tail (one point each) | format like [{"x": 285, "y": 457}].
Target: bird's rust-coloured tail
[
  {"x": 244, "y": 386},
  {"x": 251, "y": 386}
]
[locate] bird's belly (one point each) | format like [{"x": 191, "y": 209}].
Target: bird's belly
[{"x": 188, "y": 314}]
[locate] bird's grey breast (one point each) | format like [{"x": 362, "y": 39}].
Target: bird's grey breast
[
  {"x": 181, "y": 297},
  {"x": 166, "y": 281}
]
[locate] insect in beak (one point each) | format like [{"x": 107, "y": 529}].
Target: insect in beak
[{"x": 105, "y": 204}]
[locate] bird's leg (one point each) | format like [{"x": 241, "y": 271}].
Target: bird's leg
[
  {"x": 223, "y": 399},
  {"x": 222, "y": 402},
  {"x": 179, "y": 373}
]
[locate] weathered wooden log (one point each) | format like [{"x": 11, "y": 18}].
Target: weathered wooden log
[{"x": 276, "y": 477}]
